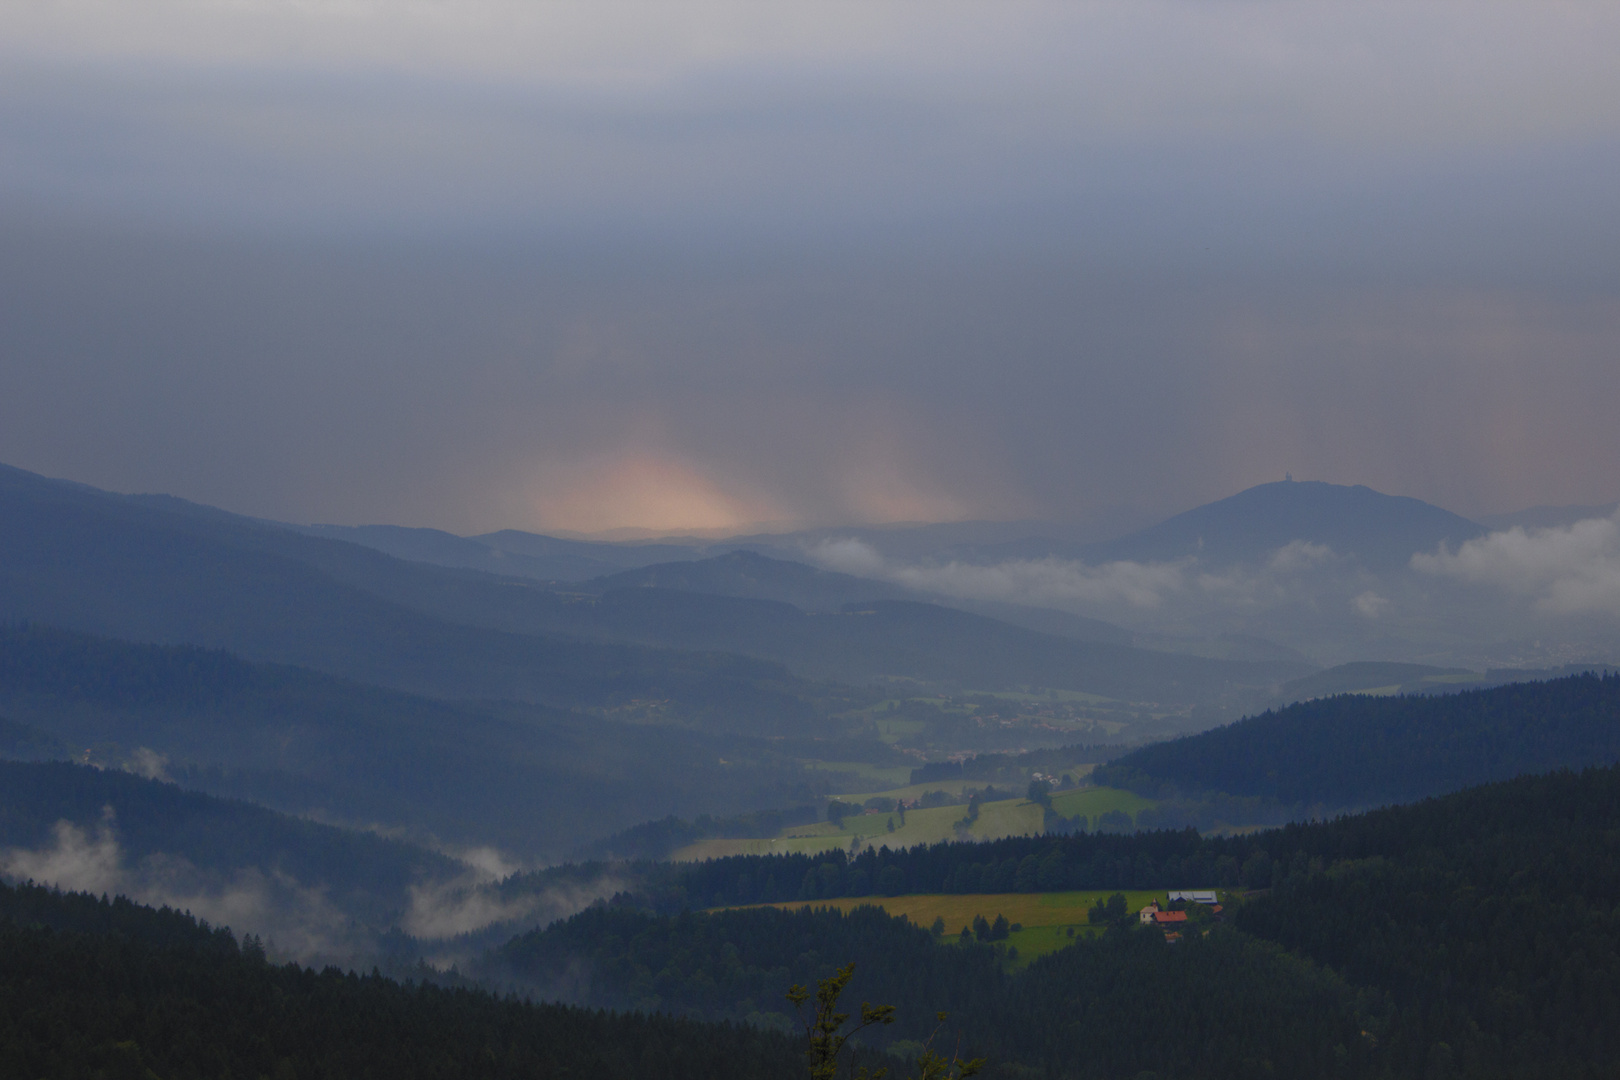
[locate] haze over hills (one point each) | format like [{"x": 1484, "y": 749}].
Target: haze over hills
[
  {"x": 749, "y": 574},
  {"x": 1340, "y": 573},
  {"x": 531, "y": 781},
  {"x": 317, "y": 889},
  {"x": 1353, "y": 751},
  {"x": 779, "y": 499},
  {"x": 124, "y": 568},
  {"x": 1548, "y": 517},
  {"x": 172, "y": 571},
  {"x": 508, "y": 552},
  {"x": 1306, "y": 571},
  {"x": 1307, "y": 562}
]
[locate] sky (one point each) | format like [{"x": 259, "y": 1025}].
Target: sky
[{"x": 731, "y": 266}]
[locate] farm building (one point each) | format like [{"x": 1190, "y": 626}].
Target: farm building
[{"x": 1158, "y": 916}]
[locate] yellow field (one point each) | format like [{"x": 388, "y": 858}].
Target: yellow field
[
  {"x": 1060, "y": 909},
  {"x": 1046, "y": 918}
]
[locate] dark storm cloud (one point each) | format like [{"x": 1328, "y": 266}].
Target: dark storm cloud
[{"x": 582, "y": 267}]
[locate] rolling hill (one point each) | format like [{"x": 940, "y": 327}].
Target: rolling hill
[
  {"x": 749, "y": 574},
  {"x": 1382, "y": 531},
  {"x": 163, "y": 570},
  {"x": 1359, "y": 750},
  {"x": 133, "y": 835},
  {"x": 530, "y": 780},
  {"x": 509, "y": 553},
  {"x": 108, "y": 988},
  {"x": 158, "y": 569}
]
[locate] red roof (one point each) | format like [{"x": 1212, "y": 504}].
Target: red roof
[{"x": 1169, "y": 916}]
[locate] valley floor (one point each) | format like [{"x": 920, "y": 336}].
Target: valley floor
[{"x": 1004, "y": 817}]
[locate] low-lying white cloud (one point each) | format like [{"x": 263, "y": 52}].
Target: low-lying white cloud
[
  {"x": 1123, "y": 586},
  {"x": 1299, "y": 555},
  {"x": 148, "y": 763},
  {"x": 1568, "y": 570},
  {"x": 1040, "y": 582},
  {"x": 299, "y": 920},
  {"x": 442, "y": 910}
]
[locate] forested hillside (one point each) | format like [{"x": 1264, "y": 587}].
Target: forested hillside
[
  {"x": 1471, "y": 935},
  {"x": 94, "y": 988},
  {"x": 737, "y": 964},
  {"x": 126, "y": 821},
  {"x": 1489, "y": 919},
  {"x": 163, "y": 570},
  {"x": 528, "y": 779},
  {"x": 1358, "y": 750},
  {"x": 1380, "y": 531},
  {"x": 760, "y": 577},
  {"x": 155, "y": 569},
  {"x": 1079, "y": 1013},
  {"x": 1475, "y": 934}
]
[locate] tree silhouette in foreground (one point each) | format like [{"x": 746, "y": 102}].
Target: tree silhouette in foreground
[{"x": 826, "y": 1039}]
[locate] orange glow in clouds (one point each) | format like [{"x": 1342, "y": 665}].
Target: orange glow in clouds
[{"x": 642, "y": 492}]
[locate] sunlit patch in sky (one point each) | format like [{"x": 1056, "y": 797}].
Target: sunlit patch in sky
[{"x": 641, "y": 491}]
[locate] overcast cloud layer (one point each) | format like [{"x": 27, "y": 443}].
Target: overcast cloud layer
[{"x": 583, "y": 266}]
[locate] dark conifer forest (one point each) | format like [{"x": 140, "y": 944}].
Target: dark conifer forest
[
  {"x": 1445, "y": 902},
  {"x": 1473, "y": 934},
  {"x": 96, "y": 988},
  {"x": 1356, "y": 750}
]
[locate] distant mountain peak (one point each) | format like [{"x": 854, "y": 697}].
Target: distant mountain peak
[{"x": 1380, "y": 530}]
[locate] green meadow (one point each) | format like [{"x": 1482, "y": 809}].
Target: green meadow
[{"x": 1007, "y": 817}]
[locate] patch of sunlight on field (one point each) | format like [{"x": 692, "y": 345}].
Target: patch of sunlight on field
[
  {"x": 1007, "y": 817},
  {"x": 1045, "y": 918},
  {"x": 1096, "y": 801},
  {"x": 1036, "y": 941},
  {"x": 1010, "y": 817},
  {"x": 1031, "y": 909}
]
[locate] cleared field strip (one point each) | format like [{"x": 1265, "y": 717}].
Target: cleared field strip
[
  {"x": 1060, "y": 909},
  {"x": 1047, "y": 919},
  {"x": 1009, "y": 817},
  {"x": 1096, "y": 801},
  {"x": 1012, "y": 817}
]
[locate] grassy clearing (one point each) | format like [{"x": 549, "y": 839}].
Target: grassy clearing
[
  {"x": 1012, "y": 817},
  {"x": 953, "y": 787},
  {"x": 1096, "y": 801},
  {"x": 892, "y": 731},
  {"x": 1059, "y": 909},
  {"x": 1008, "y": 817}
]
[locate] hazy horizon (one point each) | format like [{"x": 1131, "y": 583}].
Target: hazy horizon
[{"x": 595, "y": 267}]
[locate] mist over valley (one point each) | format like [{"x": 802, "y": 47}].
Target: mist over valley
[{"x": 589, "y": 539}]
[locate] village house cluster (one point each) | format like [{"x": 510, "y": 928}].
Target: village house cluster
[{"x": 1172, "y": 918}]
